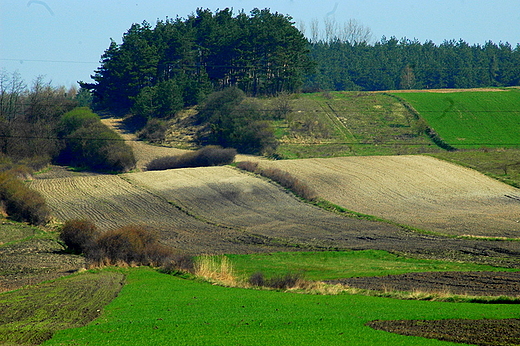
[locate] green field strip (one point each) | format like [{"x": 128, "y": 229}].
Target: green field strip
[
  {"x": 157, "y": 309},
  {"x": 471, "y": 119}
]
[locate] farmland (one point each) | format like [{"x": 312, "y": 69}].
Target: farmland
[
  {"x": 187, "y": 312},
  {"x": 471, "y": 119},
  {"x": 429, "y": 214},
  {"x": 414, "y": 190}
]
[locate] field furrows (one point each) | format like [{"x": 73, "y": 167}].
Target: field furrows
[
  {"x": 225, "y": 196},
  {"x": 414, "y": 190},
  {"x": 112, "y": 202}
]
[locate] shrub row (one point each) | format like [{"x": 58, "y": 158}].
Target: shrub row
[
  {"x": 20, "y": 202},
  {"x": 281, "y": 177},
  {"x": 287, "y": 281},
  {"x": 130, "y": 245},
  {"x": 204, "y": 157}
]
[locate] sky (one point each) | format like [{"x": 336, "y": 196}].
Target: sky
[{"x": 63, "y": 40}]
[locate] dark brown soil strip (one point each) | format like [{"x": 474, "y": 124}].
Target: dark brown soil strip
[
  {"x": 460, "y": 283},
  {"x": 476, "y": 332}
]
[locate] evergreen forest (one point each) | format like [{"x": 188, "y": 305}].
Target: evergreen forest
[{"x": 157, "y": 71}]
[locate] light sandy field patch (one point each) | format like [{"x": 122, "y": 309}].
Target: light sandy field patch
[
  {"x": 414, "y": 190},
  {"x": 111, "y": 202},
  {"x": 226, "y": 196}
]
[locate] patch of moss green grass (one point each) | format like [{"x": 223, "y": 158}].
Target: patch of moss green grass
[
  {"x": 349, "y": 123},
  {"x": 317, "y": 266},
  {"x": 471, "y": 119},
  {"x": 159, "y": 309},
  {"x": 32, "y": 315},
  {"x": 11, "y": 231}
]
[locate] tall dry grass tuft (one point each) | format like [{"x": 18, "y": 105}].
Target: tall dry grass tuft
[
  {"x": 218, "y": 269},
  {"x": 283, "y": 178}
]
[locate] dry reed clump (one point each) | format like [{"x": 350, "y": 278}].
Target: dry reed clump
[
  {"x": 218, "y": 269},
  {"x": 283, "y": 178}
]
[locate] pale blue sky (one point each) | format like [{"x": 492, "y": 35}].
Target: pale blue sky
[{"x": 64, "y": 39}]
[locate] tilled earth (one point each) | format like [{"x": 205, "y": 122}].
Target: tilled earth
[
  {"x": 475, "y": 332},
  {"x": 458, "y": 283},
  {"x": 483, "y": 332},
  {"x": 34, "y": 261}
]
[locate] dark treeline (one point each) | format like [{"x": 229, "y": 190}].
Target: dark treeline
[
  {"x": 156, "y": 71},
  {"x": 409, "y": 64}
]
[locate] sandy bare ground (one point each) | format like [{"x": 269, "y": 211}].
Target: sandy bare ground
[
  {"x": 419, "y": 191},
  {"x": 144, "y": 152}
]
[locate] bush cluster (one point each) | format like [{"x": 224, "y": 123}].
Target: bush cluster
[
  {"x": 234, "y": 121},
  {"x": 90, "y": 144},
  {"x": 130, "y": 245},
  {"x": 287, "y": 281},
  {"x": 20, "y": 202},
  {"x": 281, "y": 177},
  {"x": 204, "y": 157}
]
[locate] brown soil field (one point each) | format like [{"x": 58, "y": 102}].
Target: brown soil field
[
  {"x": 418, "y": 191},
  {"x": 33, "y": 261},
  {"x": 482, "y": 332},
  {"x": 111, "y": 202},
  {"x": 491, "y": 284},
  {"x": 220, "y": 209}
]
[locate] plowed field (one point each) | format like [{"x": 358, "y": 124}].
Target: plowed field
[
  {"x": 419, "y": 191},
  {"x": 111, "y": 202}
]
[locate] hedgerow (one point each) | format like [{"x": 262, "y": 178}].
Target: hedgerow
[
  {"x": 204, "y": 157},
  {"x": 20, "y": 202},
  {"x": 281, "y": 177},
  {"x": 128, "y": 245}
]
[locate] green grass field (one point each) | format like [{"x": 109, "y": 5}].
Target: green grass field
[
  {"x": 342, "y": 264},
  {"x": 471, "y": 119},
  {"x": 158, "y": 309}
]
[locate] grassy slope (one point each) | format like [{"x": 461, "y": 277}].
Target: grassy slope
[
  {"x": 32, "y": 315},
  {"x": 156, "y": 309},
  {"x": 14, "y": 231},
  {"x": 471, "y": 119},
  {"x": 348, "y": 123}
]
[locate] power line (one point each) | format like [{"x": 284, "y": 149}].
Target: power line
[
  {"x": 51, "y": 61},
  {"x": 331, "y": 143}
]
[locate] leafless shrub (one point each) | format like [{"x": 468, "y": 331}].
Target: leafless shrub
[
  {"x": 131, "y": 245},
  {"x": 286, "y": 281},
  {"x": 80, "y": 235},
  {"x": 20, "y": 202},
  {"x": 249, "y": 166},
  {"x": 290, "y": 182}
]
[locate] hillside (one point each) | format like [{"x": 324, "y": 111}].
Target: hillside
[{"x": 419, "y": 191}]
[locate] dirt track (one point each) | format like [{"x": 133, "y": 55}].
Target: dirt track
[{"x": 419, "y": 191}]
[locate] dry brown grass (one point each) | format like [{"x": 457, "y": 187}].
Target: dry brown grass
[{"x": 217, "y": 269}]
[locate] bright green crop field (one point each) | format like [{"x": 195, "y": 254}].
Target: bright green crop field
[
  {"x": 342, "y": 264},
  {"x": 471, "y": 119},
  {"x": 158, "y": 309}
]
